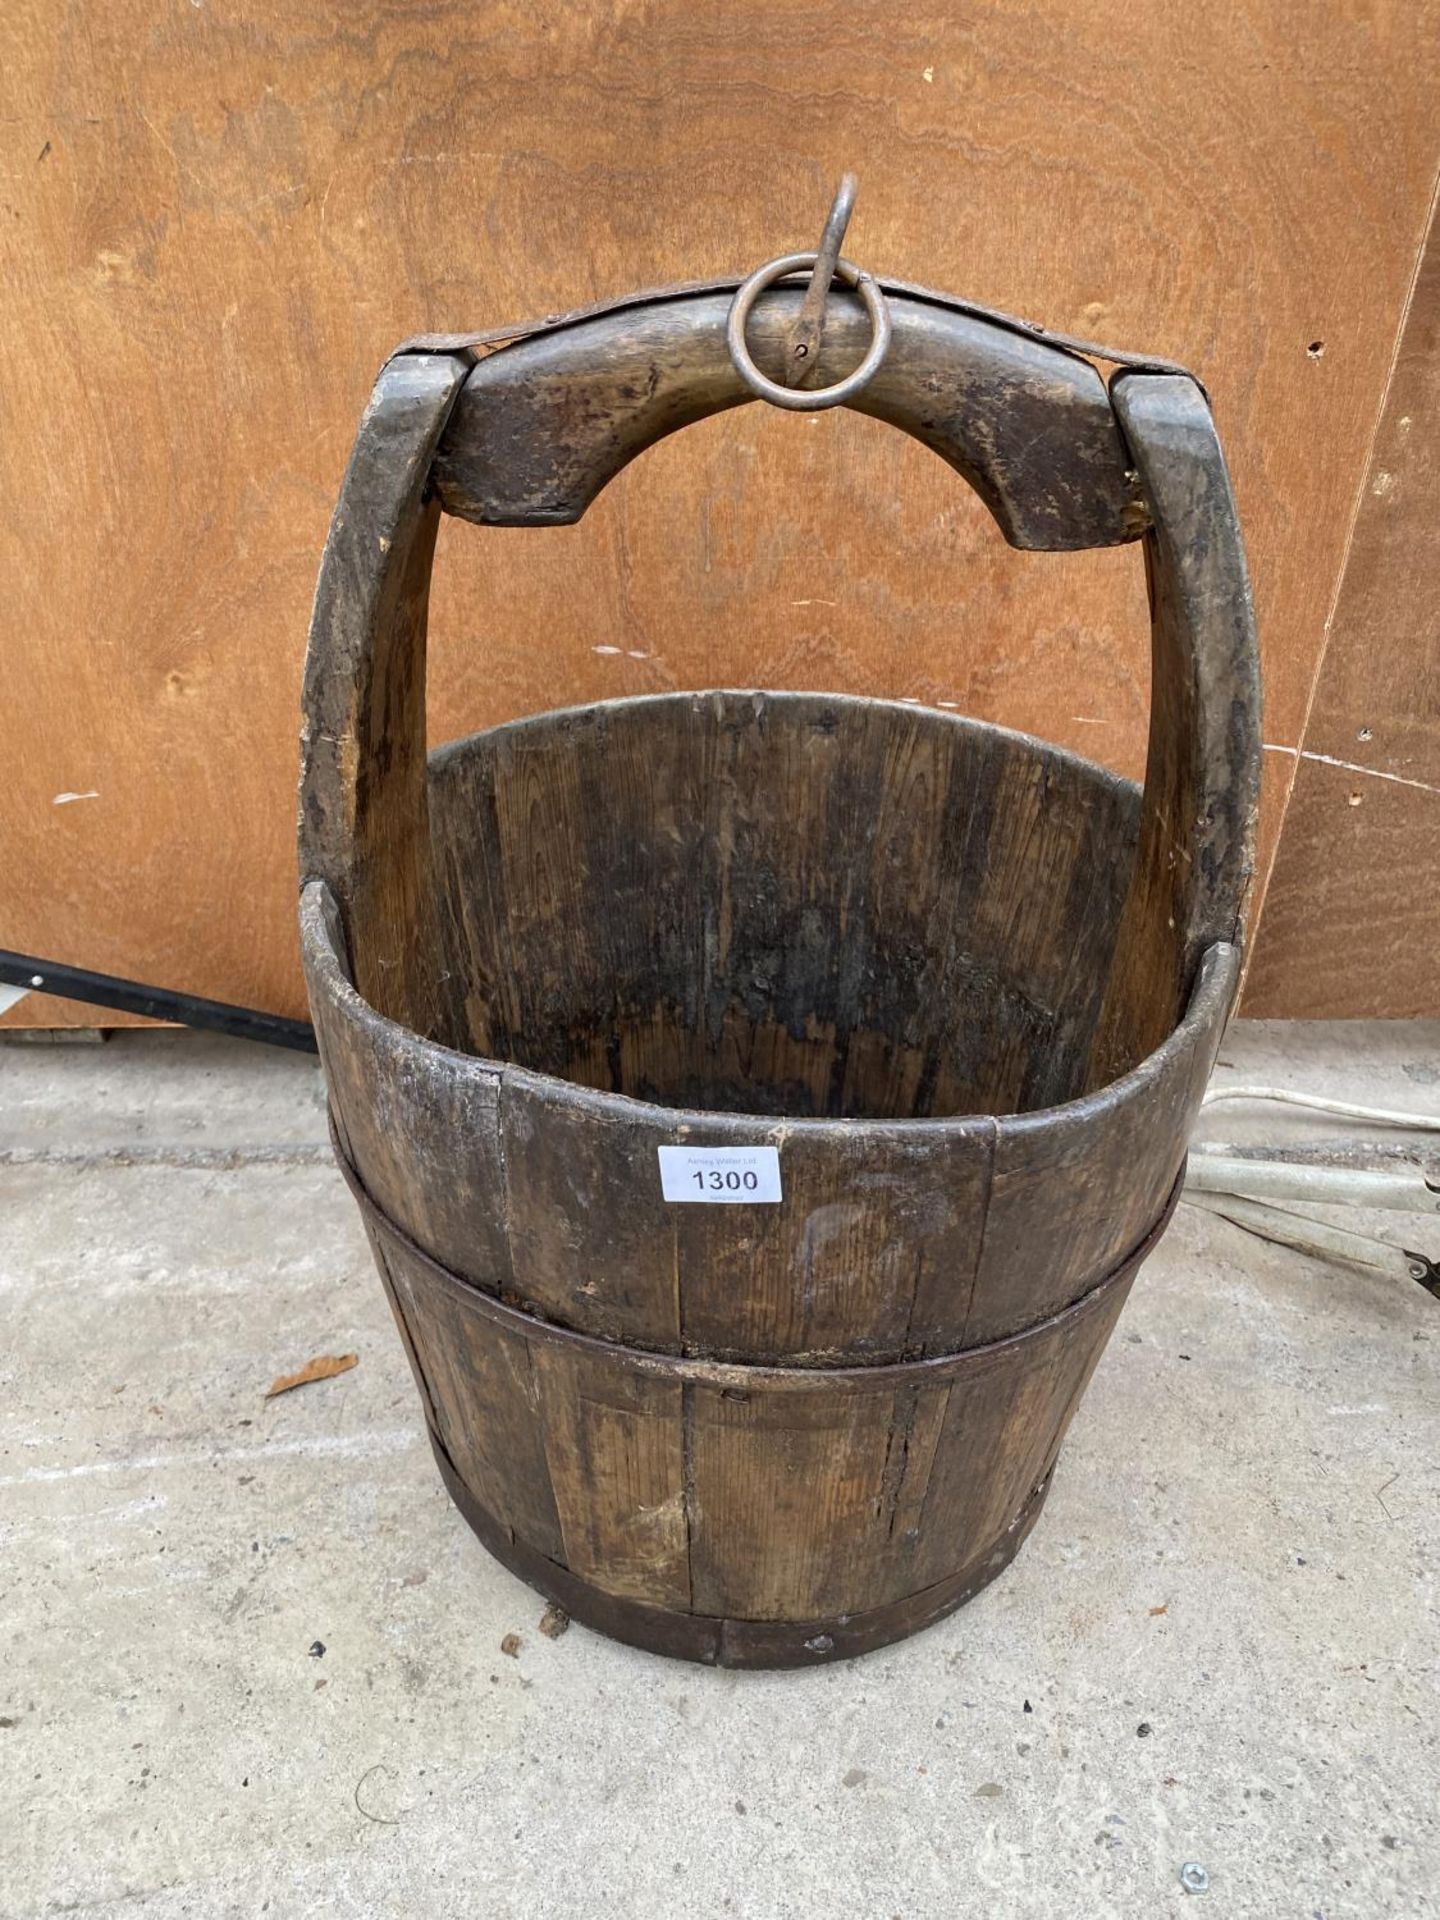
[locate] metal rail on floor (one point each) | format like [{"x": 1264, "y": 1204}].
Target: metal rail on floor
[{"x": 155, "y": 1003}]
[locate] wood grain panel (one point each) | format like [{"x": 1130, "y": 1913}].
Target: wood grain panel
[
  {"x": 401, "y": 1125},
  {"x": 483, "y": 1394},
  {"x": 615, "y": 1444},
  {"x": 775, "y": 904},
  {"x": 1350, "y": 914},
  {"x": 1003, "y": 1430},
  {"x": 796, "y": 1499},
  {"x": 872, "y": 1255},
  {"x": 218, "y": 221},
  {"x": 1075, "y": 1190}
]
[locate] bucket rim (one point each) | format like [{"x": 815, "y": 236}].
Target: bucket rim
[
  {"x": 1206, "y": 1009},
  {"x": 440, "y": 757}
]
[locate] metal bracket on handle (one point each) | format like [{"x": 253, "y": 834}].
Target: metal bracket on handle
[{"x": 802, "y": 351}]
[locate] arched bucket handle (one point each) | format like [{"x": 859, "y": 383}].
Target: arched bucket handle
[{"x": 530, "y": 435}]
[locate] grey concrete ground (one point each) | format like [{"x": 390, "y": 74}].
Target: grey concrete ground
[{"x": 1219, "y": 1645}]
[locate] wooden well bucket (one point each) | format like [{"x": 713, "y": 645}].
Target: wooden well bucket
[{"x": 957, "y": 991}]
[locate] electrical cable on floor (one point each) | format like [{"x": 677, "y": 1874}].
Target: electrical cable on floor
[
  {"x": 1321, "y": 1103},
  {"x": 1243, "y": 1185}
]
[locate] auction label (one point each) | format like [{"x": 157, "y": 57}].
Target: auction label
[{"x": 720, "y": 1176}]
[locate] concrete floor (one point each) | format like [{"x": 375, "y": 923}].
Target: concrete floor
[{"x": 253, "y": 1660}]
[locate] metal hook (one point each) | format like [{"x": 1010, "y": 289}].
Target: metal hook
[
  {"x": 802, "y": 352},
  {"x": 802, "y": 348}
]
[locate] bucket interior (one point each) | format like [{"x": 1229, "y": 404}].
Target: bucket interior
[{"x": 798, "y": 905}]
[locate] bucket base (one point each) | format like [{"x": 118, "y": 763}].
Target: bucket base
[{"x": 738, "y": 1643}]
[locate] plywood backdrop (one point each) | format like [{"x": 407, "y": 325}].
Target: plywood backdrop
[
  {"x": 1351, "y": 918},
  {"x": 218, "y": 219}
]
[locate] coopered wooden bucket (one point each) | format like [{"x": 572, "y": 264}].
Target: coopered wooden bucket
[{"x": 925, "y": 1007}]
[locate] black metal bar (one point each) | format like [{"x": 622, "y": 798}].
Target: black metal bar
[{"x": 157, "y": 1003}]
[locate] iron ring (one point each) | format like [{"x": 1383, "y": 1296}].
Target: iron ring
[{"x": 807, "y": 399}]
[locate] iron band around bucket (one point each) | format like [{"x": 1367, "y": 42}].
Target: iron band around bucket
[
  {"x": 713, "y": 1640},
  {"x": 883, "y": 1377}
]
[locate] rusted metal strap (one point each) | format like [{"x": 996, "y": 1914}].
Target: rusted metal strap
[
  {"x": 881, "y": 1377},
  {"x": 495, "y": 338},
  {"x": 722, "y": 1642}
]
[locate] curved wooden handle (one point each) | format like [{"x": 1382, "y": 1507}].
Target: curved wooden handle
[
  {"x": 532, "y": 434},
  {"x": 364, "y": 810},
  {"x": 1196, "y": 855},
  {"x": 544, "y": 425}
]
